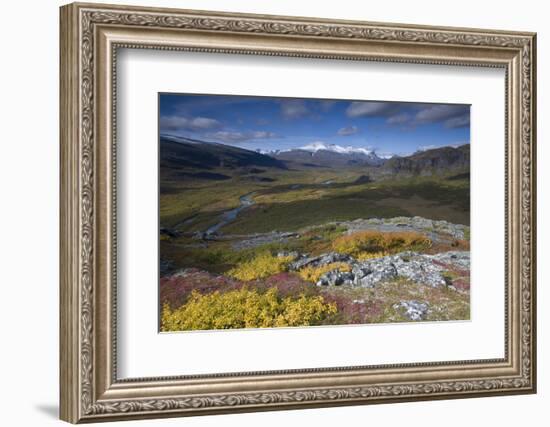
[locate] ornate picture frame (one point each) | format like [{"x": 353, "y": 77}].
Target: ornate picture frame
[{"x": 90, "y": 37}]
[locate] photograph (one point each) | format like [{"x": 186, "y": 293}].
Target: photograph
[
  {"x": 301, "y": 212},
  {"x": 273, "y": 209}
]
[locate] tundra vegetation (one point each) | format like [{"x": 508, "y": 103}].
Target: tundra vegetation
[{"x": 282, "y": 244}]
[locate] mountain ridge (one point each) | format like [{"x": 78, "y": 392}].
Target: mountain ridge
[{"x": 180, "y": 152}]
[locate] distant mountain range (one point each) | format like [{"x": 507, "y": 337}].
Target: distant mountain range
[
  {"x": 328, "y": 155},
  {"x": 178, "y": 152}
]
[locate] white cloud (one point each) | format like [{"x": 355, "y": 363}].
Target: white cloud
[
  {"x": 348, "y": 130},
  {"x": 371, "y": 109},
  {"x": 452, "y": 116},
  {"x": 239, "y": 137},
  {"x": 294, "y": 109},
  {"x": 175, "y": 123},
  {"x": 427, "y": 147},
  {"x": 458, "y": 122},
  {"x": 326, "y": 105},
  {"x": 399, "y": 119}
]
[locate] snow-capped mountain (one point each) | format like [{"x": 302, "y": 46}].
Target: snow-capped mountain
[
  {"x": 269, "y": 152},
  {"x": 329, "y": 155},
  {"x": 321, "y": 146}
]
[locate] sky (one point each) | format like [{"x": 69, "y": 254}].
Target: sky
[{"x": 266, "y": 123}]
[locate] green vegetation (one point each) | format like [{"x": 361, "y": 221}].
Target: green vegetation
[
  {"x": 297, "y": 198},
  {"x": 467, "y": 234},
  {"x": 233, "y": 282},
  {"x": 245, "y": 308}
]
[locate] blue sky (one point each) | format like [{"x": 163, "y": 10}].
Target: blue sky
[{"x": 284, "y": 123}]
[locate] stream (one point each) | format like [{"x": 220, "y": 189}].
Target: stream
[{"x": 230, "y": 215}]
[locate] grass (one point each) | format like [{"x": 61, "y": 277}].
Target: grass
[
  {"x": 301, "y": 213},
  {"x": 376, "y": 305},
  {"x": 282, "y": 206}
]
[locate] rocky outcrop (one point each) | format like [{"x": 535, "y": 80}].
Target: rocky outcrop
[
  {"x": 419, "y": 268},
  {"x": 317, "y": 261},
  {"x": 413, "y": 310},
  {"x": 434, "y": 229}
]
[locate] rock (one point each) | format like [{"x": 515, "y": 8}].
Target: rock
[
  {"x": 320, "y": 260},
  {"x": 459, "y": 259},
  {"x": 285, "y": 254},
  {"x": 413, "y": 266},
  {"x": 363, "y": 179},
  {"x": 169, "y": 232},
  {"x": 368, "y": 275},
  {"x": 412, "y": 309},
  {"x": 165, "y": 267},
  {"x": 420, "y": 270},
  {"x": 435, "y": 230},
  {"x": 336, "y": 278}
]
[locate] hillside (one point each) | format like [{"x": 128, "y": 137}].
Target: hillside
[
  {"x": 424, "y": 163},
  {"x": 183, "y": 153}
]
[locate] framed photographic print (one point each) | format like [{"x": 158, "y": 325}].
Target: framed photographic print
[{"x": 265, "y": 212}]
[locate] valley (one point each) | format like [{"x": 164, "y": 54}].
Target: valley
[{"x": 355, "y": 237}]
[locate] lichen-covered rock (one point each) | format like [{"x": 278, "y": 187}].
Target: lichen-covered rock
[
  {"x": 434, "y": 229},
  {"x": 412, "y": 309},
  {"x": 336, "y": 278},
  {"x": 367, "y": 275},
  {"x": 320, "y": 260},
  {"x": 423, "y": 269},
  {"x": 288, "y": 254},
  {"x": 459, "y": 259}
]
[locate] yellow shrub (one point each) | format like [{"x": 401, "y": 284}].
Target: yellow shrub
[
  {"x": 245, "y": 308},
  {"x": 363, "y": 256},
  {"x": 313, "y": 274},
  {"x": 263, "y": 265},
  {"x": 372, "y": 241}
]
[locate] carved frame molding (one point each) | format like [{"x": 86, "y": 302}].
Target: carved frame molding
[{"x": 90, "y": 36}]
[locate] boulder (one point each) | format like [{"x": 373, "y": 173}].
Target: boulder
[
  {"x": 320, "y": 260},
  {"x": 412, "y": 309},
  {"x": 367, "y": 276},
  {"x": 336, "y": 278}
]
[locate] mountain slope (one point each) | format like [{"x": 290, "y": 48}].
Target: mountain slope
[
  {"x": 430, "y": 162},
  {"x": 183, "y": 153}
]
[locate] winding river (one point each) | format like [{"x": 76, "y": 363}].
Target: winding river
[{"x": 230, "y": 215}]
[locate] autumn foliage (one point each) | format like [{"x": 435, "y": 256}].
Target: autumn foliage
[
  {"x": 263, "y": 265},
  {"x": 362, "y": 243},
  {"x": 313, "y": 274},
  {"x": 245, "y": 308}
]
